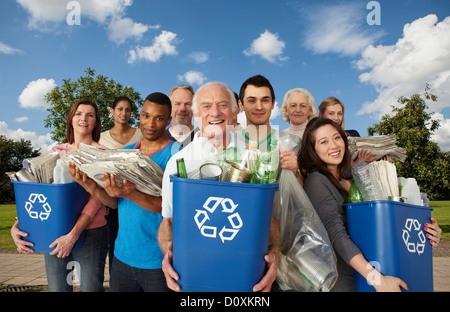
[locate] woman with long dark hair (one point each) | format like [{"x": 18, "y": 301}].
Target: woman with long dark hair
[{"x": 324, "y": 161}]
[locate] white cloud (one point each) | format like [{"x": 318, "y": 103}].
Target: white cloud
[
  {"x": 7, "y": 49},
  {"x": 120, "y": 29},
  {"x": 338, "y": 29},
  {"x": 22, "y": 119},
  {"x": 55, "y": 11},
  {"x": 421, "y": 56},
  {"x": 43, "y": 11},
  {"x": 199, "y": 57},
  {"x": 162, "y": 45},
  {"x": 33, "y": 95},
  {"x": 268, "y": 46},
  {"x": 442, "y": 135},
  {"x": 43, "y": 142},
  {"x": 275, "y": 111},
  {"x": 193, "y": 78},
  {"x": 110, "y": 13}
]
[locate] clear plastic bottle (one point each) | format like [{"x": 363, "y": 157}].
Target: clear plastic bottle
[
  {"x": 412, "y": 192},
  {"x": 61, "y": 173}
]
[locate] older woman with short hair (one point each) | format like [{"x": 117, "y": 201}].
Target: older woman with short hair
[{"x": 298, "y": 108}]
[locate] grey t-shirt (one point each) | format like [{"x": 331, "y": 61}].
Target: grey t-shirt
[{"x": 328, "y": 203}]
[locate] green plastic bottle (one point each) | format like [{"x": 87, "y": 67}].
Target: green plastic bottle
[{"x": 354, "y": 195}]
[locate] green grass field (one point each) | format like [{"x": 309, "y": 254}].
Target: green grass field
[{"x": 8, "y": 212}]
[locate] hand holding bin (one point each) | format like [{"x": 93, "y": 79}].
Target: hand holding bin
[
  {"x": 220, "y": 235},
  {"x": 48, "y": 211},
  {"x": 391, "y": 236}
]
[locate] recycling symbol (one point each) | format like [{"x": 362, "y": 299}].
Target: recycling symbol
[
  {"x": 35, "y": 201},
  {"x": 228, "y": 207},
  {"x": 412, "y": 228}
]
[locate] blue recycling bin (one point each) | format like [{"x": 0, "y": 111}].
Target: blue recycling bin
[
  {"x": 220, "y": 233},
  {"x": 391, "y": 236},
  {"x": 48, "y": 211}
]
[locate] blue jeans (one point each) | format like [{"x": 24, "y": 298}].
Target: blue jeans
[
  {"x": 125, "y": 278},
  {"x": 89, "y": 260}
]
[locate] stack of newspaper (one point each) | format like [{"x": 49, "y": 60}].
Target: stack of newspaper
[
  {"x": 131, "y": 165},
  {"x": 38, "y": 169},
  {"x": 379, "y": 145}
]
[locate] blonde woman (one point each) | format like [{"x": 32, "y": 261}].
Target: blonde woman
[{"x": 332, "y": 108}]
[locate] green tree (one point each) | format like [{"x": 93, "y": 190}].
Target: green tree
[
  {"x": 413, "y": 127},
  {"x": 99, "y": 89},
  {"x": 12, "y": 153}
]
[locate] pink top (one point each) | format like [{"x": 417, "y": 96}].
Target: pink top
[
  {"x": 93, "y": 208},
  {"x": 297, "y": 130}
]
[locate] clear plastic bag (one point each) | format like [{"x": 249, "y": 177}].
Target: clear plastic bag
[
  {"x": 307, "y": 262},
  {"x": 367, "y": 182}
]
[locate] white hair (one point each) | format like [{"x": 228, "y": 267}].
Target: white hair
[
  {"x": 215, "y": 83},
  {"x": 311, "y": 102}
]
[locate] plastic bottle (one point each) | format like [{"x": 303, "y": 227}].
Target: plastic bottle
[
  {"x": 412, "y": 192},
  {"x": 425, "y": 200},
  {"x": 266, "y": 167},
  {"x": 354, "y": 196},
  {"x": 401, "y": 184},
  {"x": 61, "y": 173},
  {"x": 181, "y": 168}
]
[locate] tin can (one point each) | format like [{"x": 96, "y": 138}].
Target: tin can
[
  {"x": 237, "y": 174},
  {"x": 211, "y": 172}
]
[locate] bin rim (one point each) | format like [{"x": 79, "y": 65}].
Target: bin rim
[
  {"x": 42, "y": 184},
  {"x": 174, "y": 177},
  {"x": 388, "y": 202}
]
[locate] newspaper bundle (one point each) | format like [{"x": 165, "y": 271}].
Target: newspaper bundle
[
  {"x": 37, "y": 170},
  {"x": 379, "y": 145},
  {"x": 132, "y": 165}
]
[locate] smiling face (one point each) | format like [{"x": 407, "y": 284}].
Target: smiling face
[
  {"x": 329, "y": 145},
  {"x": 298, "y": 109},
  {"x": 122, "y": 112},
  {"x": 154, "y": 120},
  {"x": 334, "y": 112},
  {"x": 258, "y": 105},
  {"x": 84, "y": 120},
  {"x": 214, "y": 111},
  {"x": 182, "y": 107}
]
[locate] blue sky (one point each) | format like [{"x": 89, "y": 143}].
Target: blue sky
[{"x": 326, "y": 47}]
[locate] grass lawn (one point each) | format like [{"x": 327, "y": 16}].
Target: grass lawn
[
  {"x": 441, "y": 211},
  {"x": 7, "y": 215}
]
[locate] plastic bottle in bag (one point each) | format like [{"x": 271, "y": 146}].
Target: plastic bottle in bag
[
  {"x": 266, "y": 167},
  {"x": 354, "y": 196},
  {"x": 61, "y": 173}
]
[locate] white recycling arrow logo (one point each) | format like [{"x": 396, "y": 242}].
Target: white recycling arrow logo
[
  {"x": 38, "y": 200},
  {"x": 228, "y": 206},
  {"x": 413, "y": 225}
]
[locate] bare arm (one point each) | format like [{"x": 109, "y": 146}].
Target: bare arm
[
  {"x": 129, "y": 191},
  {"x": 376, "y": 279},
  {"x": 91, "y": 187},
  {"x": 166, "y": 245}
]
